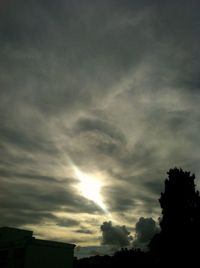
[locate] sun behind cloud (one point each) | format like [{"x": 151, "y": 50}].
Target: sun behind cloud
[{"x": 90, "y": 187}]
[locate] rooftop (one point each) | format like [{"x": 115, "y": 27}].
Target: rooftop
[{"x": 12, "y": 235}]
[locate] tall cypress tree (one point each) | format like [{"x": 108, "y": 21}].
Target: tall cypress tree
[{"x": 180, "y": 221}]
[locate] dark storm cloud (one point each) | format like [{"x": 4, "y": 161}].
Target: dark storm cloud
[
  {"x": 117, "y": 236},
  {"x": 145, "y": 229}
]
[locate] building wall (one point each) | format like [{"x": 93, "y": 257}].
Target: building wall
[
  {"x": 19, "y": 249},
  {"x": 12, "y": 257},
  {"x": 40, "y": 256}
]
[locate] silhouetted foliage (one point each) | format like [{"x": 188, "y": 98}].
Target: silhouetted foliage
[
  {"x": 122, "y": 258},
  {"x": 180, "y": 221}
]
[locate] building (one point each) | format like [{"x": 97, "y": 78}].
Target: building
[{"x": 19, "y": 249}]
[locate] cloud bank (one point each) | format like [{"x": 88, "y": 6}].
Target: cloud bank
[
  {"x": 117, "y": 236},
  {"x": 145, "y": 229}
]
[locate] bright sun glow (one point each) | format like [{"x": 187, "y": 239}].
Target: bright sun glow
[{"x": 90, "y": 187}]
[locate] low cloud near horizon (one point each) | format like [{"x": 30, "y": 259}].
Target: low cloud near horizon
[
  {"x": 117, "y": 236},
  {"x": 111, "y": 87},
  {"x": 145, "y": 229}
]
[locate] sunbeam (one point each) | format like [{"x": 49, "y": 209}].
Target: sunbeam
[{"x": 90, "y": 187}]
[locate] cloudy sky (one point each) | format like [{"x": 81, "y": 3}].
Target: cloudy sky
[{"x": 98, "y": 99}]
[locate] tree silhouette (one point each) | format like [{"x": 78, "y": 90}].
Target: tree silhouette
[
  {"x": 177, "y": 242},
  {"x": 180, "y": 221}
]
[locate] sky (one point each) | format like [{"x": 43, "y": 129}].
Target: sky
[{"x": 98, "y": 100}]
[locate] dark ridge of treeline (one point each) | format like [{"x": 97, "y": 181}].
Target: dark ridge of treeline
[
  {"x": 177, "y": 243},
  {"x": 123, "y": 258}
]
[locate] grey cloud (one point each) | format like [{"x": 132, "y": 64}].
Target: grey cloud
[
  {"x": 155, "y": 186},
  {"x": 102, "y": 126},
  {"x": 24, "y": 141},
  {"x": 23, "y": 217},
  {"x": 102, "y": 135},
  {"x": 4, "y": 173},
  {"x": 74, "y": 41},
  {"x": 66, "y": 222},
  {"x": 145, "y": 229},
  {"x": 117, "y": 236},
  {"x": 21, "y": 202},
  {"x": 84, "y": 231},
  {"x": 119, "y": 198}
]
